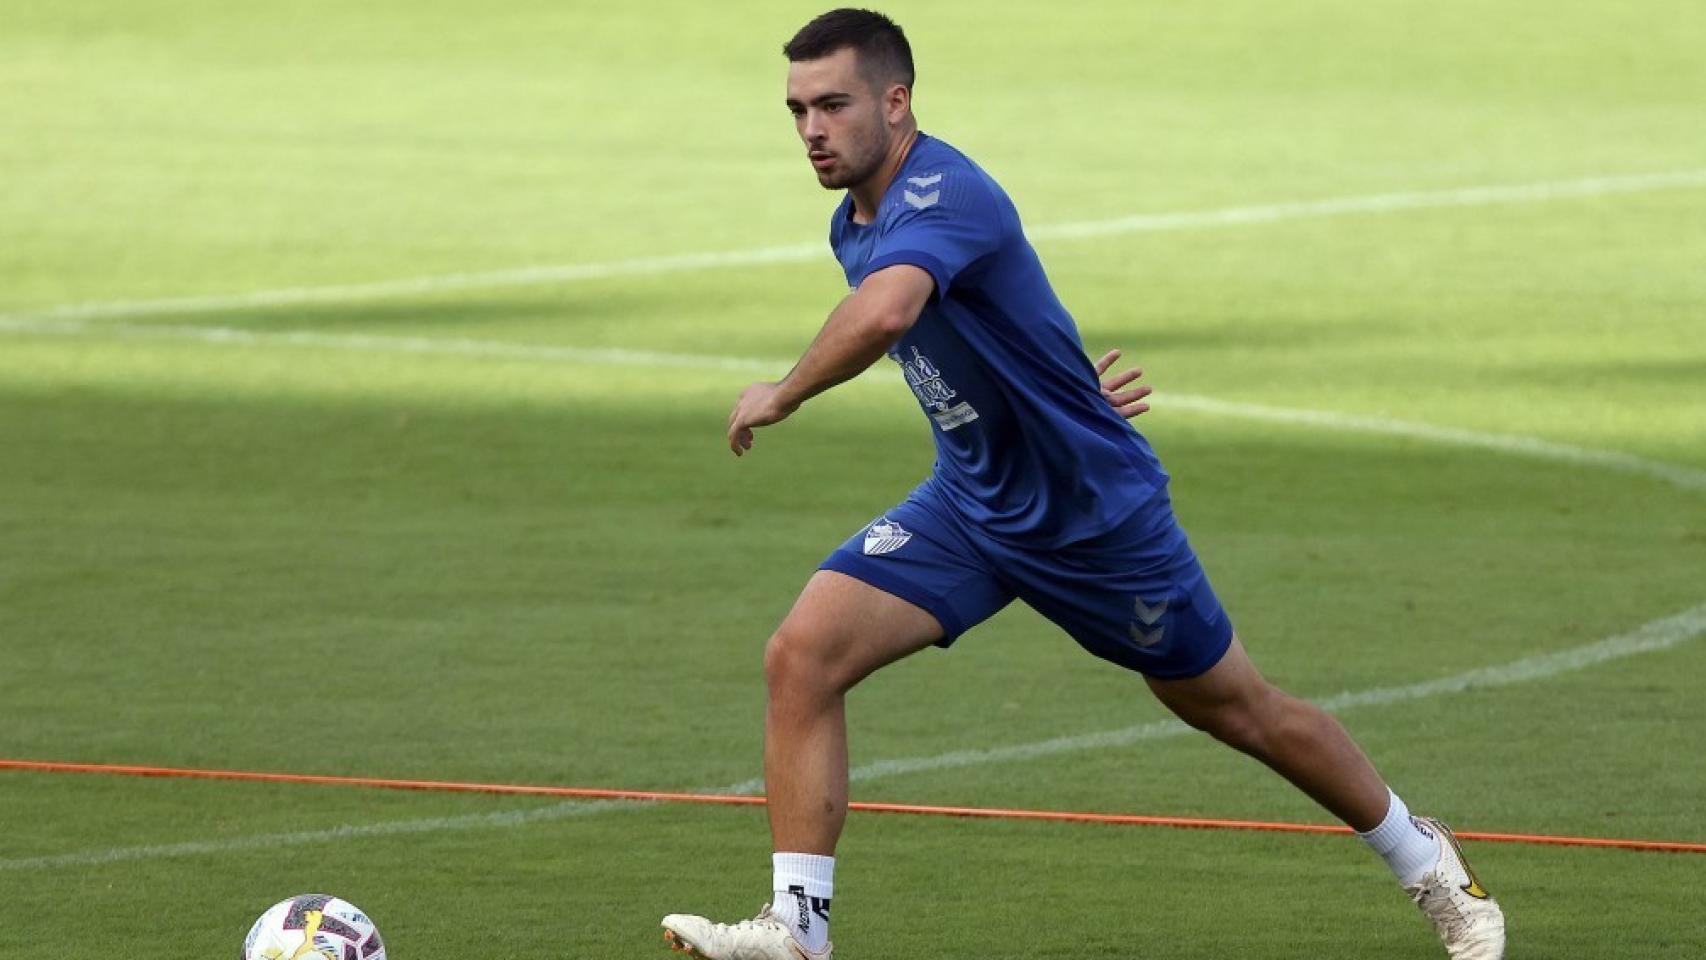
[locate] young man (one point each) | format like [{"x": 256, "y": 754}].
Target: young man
[{"x": 1041, "y": 492}]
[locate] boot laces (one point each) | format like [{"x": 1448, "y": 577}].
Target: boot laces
[{"x": 765, "y": 920}]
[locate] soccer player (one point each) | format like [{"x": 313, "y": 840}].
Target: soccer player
[{"x": 1041, "y": 492}]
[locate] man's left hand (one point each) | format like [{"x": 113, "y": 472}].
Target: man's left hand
[
  {"x": 1128, "y": 403},
  {"x": 760, "y": 405}
]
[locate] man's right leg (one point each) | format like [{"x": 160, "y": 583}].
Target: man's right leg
[
  {"x": 909, "y": 579},
  {"x": 840, "y": 631}
]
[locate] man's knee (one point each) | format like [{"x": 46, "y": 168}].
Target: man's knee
[
  {"x": 839, "y": 631},
  {"x": 1247, "y": 722},
  {"x": 801, "y": 660}
]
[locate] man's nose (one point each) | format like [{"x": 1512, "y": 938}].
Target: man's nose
[{"x": 813, "y": 129}]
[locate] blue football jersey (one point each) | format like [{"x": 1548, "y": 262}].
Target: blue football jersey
[{"x": 1027, "y": 448}]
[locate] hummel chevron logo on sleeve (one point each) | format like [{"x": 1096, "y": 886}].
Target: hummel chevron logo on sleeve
[
  {"x": 928, "y": 200},
  {"x": 922, "y": 182}
]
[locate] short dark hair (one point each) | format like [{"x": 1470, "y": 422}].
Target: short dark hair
[{"x": 884, "y": 55}]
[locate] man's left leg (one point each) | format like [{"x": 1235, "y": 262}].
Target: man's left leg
[
  {"x": 1233, "y": 703},
  {"x": 1137, "y": 596},
  {"x": 1236, "y": 705}
]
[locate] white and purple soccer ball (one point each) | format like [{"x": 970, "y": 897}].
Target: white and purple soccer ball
[{"x": 313, "y": 926}]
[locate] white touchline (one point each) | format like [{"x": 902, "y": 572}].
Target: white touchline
[
  {"x": 1662, "y": 634},
  {"x": 1375, "y": 203},
  {"x": 1476, "y": 196},
  {"x": 1648, "y": 638},
  {"x": 268, "y": 841},
  {"x": 1688, "y": 478},
  {"x": 378, "y": 343}
]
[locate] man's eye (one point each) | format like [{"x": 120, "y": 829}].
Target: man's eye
[{"x": 831, "y": 108}]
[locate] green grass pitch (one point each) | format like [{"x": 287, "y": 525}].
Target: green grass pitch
[{"x": 355, "y": 553}]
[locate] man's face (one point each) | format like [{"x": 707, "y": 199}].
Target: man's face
[{"x": 840, "y": 118}]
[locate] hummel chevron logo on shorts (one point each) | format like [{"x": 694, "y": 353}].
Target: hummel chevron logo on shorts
[
  {"x": 885, "y": 537},
  {"x": 1147, "y": 616}
]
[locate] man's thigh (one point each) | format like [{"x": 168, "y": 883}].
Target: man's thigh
[
  {"x": 851, "y": 628},
  {"x": 917, "y": 554}
]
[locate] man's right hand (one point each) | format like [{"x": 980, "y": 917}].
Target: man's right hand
[{"x": 760, "y": 405}]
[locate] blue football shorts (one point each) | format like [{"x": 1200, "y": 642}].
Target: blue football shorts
[{"x": 1135, "y": 596}]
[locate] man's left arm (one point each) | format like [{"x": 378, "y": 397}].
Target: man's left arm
[{"x": 858, "y": 332}]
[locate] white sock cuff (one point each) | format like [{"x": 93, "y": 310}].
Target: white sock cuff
[
  {"x": 1392, "y": 830},
  {"x": 1404, "y": 846},
  {"x": 815, "y": 873}
]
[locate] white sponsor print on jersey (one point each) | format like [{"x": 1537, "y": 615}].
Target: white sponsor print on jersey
[
  {"x": 933, "y": 392},
  {"x": 884, "y": 536}
]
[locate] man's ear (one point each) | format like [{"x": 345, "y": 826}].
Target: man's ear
[{"x": 896, "y": 102}]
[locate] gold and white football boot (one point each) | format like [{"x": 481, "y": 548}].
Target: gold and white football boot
[
  {"x": 762, "y": 938},
  {"x": 1463, "y": 913}
]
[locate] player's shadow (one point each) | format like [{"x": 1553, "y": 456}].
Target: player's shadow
[{"x": 1677, "y": 371}]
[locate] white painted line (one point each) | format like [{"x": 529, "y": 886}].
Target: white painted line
[
  {"x": 1688, "y": 478},
  {"x": 1653, "y": 637},
  {"x": 269, "y": 841},
  {"x": 1477, "y": 196},
  {"x": 438, "y": 283},
  {"x": 1375, "y": 203},
  {"x": 373, "y": 343},
  {"x": 1648, "y": 638}
]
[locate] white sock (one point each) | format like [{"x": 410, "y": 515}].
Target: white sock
[
  {"x": 804, "y": 884},
  {"x": 1406, "y": 847}
]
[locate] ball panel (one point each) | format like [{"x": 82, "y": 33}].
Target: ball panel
[{"x": 313, "y": 926}]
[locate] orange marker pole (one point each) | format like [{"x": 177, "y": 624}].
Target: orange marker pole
[{"x": 660, "y": 796}]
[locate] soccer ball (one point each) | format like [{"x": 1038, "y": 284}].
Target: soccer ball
[{"x": 313, "y": 926}]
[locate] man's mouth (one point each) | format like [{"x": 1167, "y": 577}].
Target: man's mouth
[{"x": 821, "y": 158}]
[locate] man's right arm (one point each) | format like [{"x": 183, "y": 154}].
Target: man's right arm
[{"x": 858, "y": 332}]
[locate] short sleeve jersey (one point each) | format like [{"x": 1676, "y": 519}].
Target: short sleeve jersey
[{"x": 1027, "y": 448}]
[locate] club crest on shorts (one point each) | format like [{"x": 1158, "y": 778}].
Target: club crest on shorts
[{"x": 884, "y": 536}]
